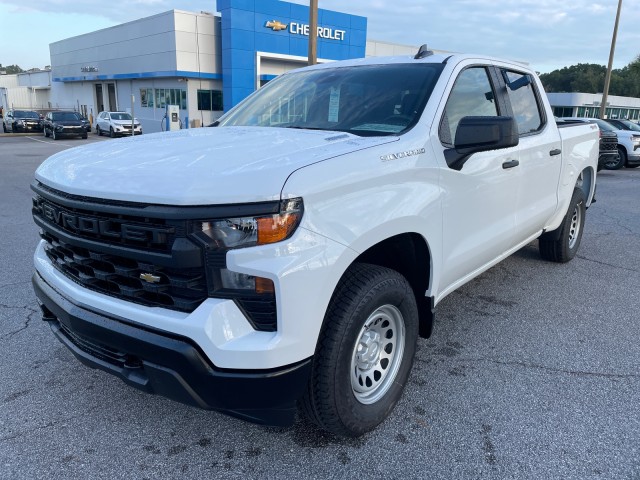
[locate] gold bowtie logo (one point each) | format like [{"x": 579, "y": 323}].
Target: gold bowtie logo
[
  {"x": 276, "y": 26},
  {"x": 150, "y": 277}
]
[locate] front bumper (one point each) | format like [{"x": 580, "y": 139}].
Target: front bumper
[{"x": 171, "y": 365}]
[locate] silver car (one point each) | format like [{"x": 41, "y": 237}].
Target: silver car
[{"x": 117, "y": 124}]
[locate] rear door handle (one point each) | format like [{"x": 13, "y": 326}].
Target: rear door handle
[
  {"x": 510, "y": 164},
  {"x": 555, "y": 151}
]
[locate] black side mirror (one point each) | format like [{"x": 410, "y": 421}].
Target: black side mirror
[{"x": 481, "y": 134}]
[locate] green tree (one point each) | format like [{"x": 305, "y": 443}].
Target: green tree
[{"x": 11, "y": 69}]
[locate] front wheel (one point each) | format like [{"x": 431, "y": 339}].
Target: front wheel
[
  {"x": 44, "y": 131},
  {"x": 619, "y": 163},
  {"x": 364, "y": 353},
  {"x": 112, "y": 134},
  {"x": 53, "y": 134},
  {"x": 562, "y": 244},
  {"x": 98, "y": 131}
]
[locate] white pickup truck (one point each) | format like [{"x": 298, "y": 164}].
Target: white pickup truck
[{"x": 292, "y": 256}]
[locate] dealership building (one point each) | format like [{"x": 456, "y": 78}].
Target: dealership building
[{"x": 205, "y": 63}]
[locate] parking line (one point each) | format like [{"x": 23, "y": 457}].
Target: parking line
[{"x": 51, "y": 143}]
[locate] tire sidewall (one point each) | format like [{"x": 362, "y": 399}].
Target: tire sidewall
[
  {"x": 360, "y": 417},
  {"x": 577, "y": 200}
]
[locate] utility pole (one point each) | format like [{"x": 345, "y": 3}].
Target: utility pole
[
  {"x": 313, "y": 32},
  {"x": 607, "y": 78}
]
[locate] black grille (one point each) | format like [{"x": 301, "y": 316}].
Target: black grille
[
  {"x": 179, "y": 289},
  {"x": 608, "y": 146},
  {"x": 144, "y": 253}
]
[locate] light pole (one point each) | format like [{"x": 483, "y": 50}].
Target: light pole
[
  {"x": 313, "y": 32},
  {"x": 607, "y": 78}
]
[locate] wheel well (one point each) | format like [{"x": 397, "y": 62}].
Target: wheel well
[
  {"x": 409, "y": 255},
  {"x": 586, "y": 182}
]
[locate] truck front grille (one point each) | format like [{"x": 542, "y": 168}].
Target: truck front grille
[{"x": 178, "y": 289}]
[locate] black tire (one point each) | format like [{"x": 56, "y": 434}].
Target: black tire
[
  {"x": 44, "y": 130},
  {"x": 622, "y": 160},
  {"x": 98, "y": 131},
  {"x": 359, "y": 307},
  {"x": 4, "y": 127},
  {"x": 562, "y": 244},
  {"x": 53, "y": 134},
  {"x": 85, "y": 136},
  {"x": 633, "y": 166},
  {"x": 112, "y": 134}
]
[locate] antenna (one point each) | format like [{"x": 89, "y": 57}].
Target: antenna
[{"x": 423, "y": 52}]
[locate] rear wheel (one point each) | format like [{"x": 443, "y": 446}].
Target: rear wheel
[
  {"x": 562, "y": 244},
  {"x": 619, "y": 163},
  {"x": 364, "y": 353}
]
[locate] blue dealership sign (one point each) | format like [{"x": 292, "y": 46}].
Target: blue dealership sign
[{"x": 273, "y": 26}]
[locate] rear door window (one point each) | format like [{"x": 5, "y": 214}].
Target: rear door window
[{"x": 524, "y": 102}]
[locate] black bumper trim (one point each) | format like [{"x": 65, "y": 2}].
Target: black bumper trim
[{"x": 171, "y": 366}]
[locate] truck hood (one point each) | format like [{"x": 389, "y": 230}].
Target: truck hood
[{"x": 202, "y": 166}]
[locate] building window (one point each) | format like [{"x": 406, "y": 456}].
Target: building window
[
  {"x": 210, "y": 100},
  {"x": 146, "y": 97},
  {"x": 171, "y": 96}
]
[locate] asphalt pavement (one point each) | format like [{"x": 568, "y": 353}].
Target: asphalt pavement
[{"x": 533, "y": 372}]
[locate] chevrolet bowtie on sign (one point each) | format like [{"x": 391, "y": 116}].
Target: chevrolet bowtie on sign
[{"x": 276, "y": 26}]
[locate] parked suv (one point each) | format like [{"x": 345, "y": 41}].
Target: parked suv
[
  {"x": 21, "y": 121},
  {"x": 117, "y": 124},
  {"x": 628, "y": 143},
  {"x": 58, "y": 124},
  {"x": 608, "y": 155}
]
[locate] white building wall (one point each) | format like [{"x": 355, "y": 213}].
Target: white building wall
[{"x": 198, "y": 42}]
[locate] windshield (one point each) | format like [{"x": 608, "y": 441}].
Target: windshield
[
  {"x": 19, "y": 114},
  {"x": 65, "y": 116},
  {"x": 120, "y": 116},
  {"x": 630, "y": 125},
  {"x": 364, "y": 100}
]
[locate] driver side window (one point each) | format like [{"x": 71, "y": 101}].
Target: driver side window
[{"x": 471, "y": 95}]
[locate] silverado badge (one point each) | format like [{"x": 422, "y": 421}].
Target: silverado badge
[
  {"x": 276, "y": 26},
  {"x": 149, "y": 277}
]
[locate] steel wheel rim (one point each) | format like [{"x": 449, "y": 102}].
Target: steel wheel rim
[
  {"x": 377, "y": 354},
  {"x": 576, "y": 225}
]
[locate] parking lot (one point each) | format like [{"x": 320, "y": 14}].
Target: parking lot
[{"x": 533, "y": 371}]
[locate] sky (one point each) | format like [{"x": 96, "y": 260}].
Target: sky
[{"x": 548, "y": 34}]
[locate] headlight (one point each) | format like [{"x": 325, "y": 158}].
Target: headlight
[
  {"x": 250, "y": 231},
  {"x": 20, "y": 123}
]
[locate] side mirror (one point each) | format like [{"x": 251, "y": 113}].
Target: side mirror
[{"x": 481, "y": 134}]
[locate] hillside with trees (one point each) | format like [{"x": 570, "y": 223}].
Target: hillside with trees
[
  {"x": 589, "y": 78},
  {"x": 11, "y": 69}
]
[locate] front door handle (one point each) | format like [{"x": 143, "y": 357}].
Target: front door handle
[
  {"x": 510, "y": 164},
  {"x": 555, "y": 151}
]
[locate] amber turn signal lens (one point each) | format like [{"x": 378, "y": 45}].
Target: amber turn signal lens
[
  {"x": 264, "y": 285},
  {"x": 276, "y": 227}
]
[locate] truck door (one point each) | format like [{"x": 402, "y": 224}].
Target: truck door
[
  {"x": 540, "y": 153},
  {"x": 478, "y": 200}
]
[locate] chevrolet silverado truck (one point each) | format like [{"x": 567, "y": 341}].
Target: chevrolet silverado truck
[{"x": 290, "y": 257}]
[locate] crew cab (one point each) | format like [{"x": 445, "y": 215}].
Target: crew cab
[{"x": 292, "y": 255}]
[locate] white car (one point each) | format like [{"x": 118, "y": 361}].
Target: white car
[{"x": 117, "y": 124}]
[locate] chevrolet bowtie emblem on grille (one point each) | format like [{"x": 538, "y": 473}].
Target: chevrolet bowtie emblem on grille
[
  {"x": 276, "y": 26},
  {"x": 149, "y": 277}
]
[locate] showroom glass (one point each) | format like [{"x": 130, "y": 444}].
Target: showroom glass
[{"x": 365, "y": 100}]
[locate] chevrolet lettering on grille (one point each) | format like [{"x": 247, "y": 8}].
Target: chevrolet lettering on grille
[{"x": 96, "y": 226}]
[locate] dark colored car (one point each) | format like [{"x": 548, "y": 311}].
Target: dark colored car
[
  {"x": 64, "y": 124},
  {"x": 609, "y": 155},
  {"x": 22, "y": 121}
]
